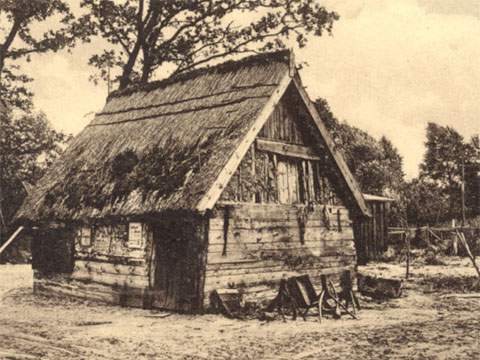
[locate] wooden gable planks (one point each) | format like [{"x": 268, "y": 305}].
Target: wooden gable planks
[
  {"x": 213, "y": 194},
  {"x": 342, "y": 166}
]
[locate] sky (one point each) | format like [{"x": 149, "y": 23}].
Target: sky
[{"x": 389, "y": 68}]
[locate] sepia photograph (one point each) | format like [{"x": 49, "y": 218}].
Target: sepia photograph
[{"x": 240, "y": 179}]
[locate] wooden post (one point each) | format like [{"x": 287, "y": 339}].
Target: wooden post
[
  {"x": 407, "y": 241},
  {"x": 464, "y": 242},
  {"x": 254, "y": 193}
]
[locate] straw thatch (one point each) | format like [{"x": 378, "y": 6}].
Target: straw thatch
[
  {"x": 3, "y": 108},
  {"x": 157, "y": 147}
]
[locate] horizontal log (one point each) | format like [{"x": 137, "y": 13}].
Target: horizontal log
[
  {"x": 284, "y": 242},
  {"x": 245, "y": 266},
  {"x": 84, "y": 255},
  {"x": 380, "y": 288},
  {"x": 275, "y": 254},
  {"x": 115, "y": 280},
  {"x": 266, "y": 292},
  {"x": 259, "y": 278},
  {"x": 110, "y": 297},
  {"x": 92, "y": 292},
  {"x": 273, "y": 211},
  {"x": 216, "y": 237},
  {"x": 109, "y": 268},
  {"x": 294, "y": 244},
  {"x": 282, "y": 267},
  {"x": 265, "y": 224},
  {"x": 256, "y": 279},
  {"x": 297, "y": 151}
]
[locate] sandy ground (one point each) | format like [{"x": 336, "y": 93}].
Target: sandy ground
[{"x": 423, "y": 324}]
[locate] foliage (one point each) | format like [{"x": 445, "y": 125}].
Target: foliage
[
  {"x": 28, "y": 145},
  {"x": 472, "y": 177},
  {"x": 425, "y": 202},
  {"x": 376, "y": 165},
  {"x": 20, "y": 25},
  {"x": 435, "y": 196},
  {"x": 446, "y": 154},
  {"x": 155, "y": 172},
  {"x": 145, "y": 35}
]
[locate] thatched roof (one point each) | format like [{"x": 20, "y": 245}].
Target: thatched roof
[
  {"x": 172, "y": 144},
  {"x": 157, "y": 147},
  {"x": 3, "y": 108}
]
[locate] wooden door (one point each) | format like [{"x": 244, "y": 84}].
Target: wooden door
[{"x": 168, "y": 267}]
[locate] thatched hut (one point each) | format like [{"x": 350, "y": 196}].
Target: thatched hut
[{"x": 222, "y": 177}]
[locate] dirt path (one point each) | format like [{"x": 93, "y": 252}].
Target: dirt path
[{"x": 421, "y": 325}]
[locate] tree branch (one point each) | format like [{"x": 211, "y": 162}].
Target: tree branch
[
  {"x": 8, "y": 42},
  {"x": 234, "y": 50}
]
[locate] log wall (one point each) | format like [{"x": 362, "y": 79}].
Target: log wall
[
  {"x": 108, "y": 269},
  {"x": 252, "y": 246}
]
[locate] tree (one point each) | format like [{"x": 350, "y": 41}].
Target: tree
[
  {"x": 28, "y": 145},
  {"x": 19, "y": 19},
  {"x": 376, "y": 165},
  {"x": 446, "y": 153},
  {"x": 147, "y": 35},
  {"x": 425, "y": 202},
  {"x": 472, "y": 177}
]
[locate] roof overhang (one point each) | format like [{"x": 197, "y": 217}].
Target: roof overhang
[{"x": 291, "y": 77}]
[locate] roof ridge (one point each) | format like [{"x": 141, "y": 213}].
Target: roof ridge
[
  {"x": 199, "y": 108},
  {"x": 232, "y": 90},
  {"x": 280, "y": 56}
]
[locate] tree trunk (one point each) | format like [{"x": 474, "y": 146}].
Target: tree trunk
[
  {"x": 128, "y": 68},
  {"x": 147, "y": 68},
  {"x": 8, "y": 42}
]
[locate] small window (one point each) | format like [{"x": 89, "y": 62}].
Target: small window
[
  {"x": 86, "y": 236},
  {"x": 135, "y": 235}
]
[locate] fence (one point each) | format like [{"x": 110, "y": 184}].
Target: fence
[{"x": 442, "y": 238}]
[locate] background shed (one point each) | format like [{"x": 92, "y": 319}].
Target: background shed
[{"x": 371, "y": 234}]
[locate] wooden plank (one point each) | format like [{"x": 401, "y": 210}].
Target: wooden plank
[
  {"x": 284, "y": 250},
  {"x": 215, "y": 257},
  {"x": 338, "y": 158},
  {"x": 262, "y": 225},
  {"x": 269, "y": 273},
  {"x": 282, "y": 241},
  {"x": 277, "y": 265},
  {"x": 104, "y": 267},
  {"x": 117, "y": 280},
  {"x": 258, "y": 279},
  {"x": 87, "y": 256},
  {"x": 108, "y": 298},
  {"x": 290, "y": 222},
  {"x": 213, "y": 194},
  {"x": 11, "y": 239},
  {"x": 255, "y": 263},
  {"x": 286, "y": 149},
  {"x": 272, "y": 210},
  {"x": 279, "y": 234},
  {"x": 93, "y": 292}
]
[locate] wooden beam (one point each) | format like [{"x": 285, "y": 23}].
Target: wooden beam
[
  {"x": 291, "y": 150},
  {"x": 338, "y": 158},
  {"x": 12, "y": 238},
  {"x": 213, "y": 194}
]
